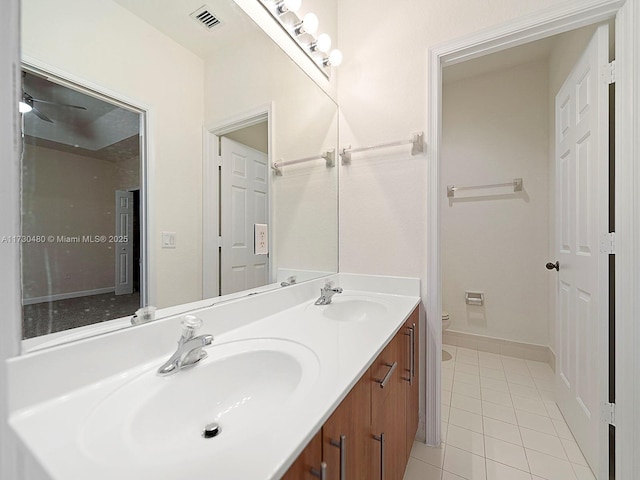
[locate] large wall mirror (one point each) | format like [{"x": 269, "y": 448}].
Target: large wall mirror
[{"x": 150, "y": 132}]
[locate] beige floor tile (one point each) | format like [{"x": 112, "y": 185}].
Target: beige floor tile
[
  {"x": 491, "y": 362},
  {"x": 465, "y": 419},
  {"x": 444, "y": 411},
  {"x": 494, "y": 384},
  {"x": 521, "y": 390},
  {"x": 535, "y": 422},
  {"x": 504, "y": 431},
  {"x": 466, "y": 378},
  {"x": 553, "y": 410},
  {"x": 466, "y": 440},
  {"x": 443, "y": 431},
  {"x": 467, "y": 389},
  {"x": 583, "y": 473},
  {"x": 464, "y": 358},
  {"x": 524, "y": 380},
  {"x": 470, "y": 404},
  {"x": 562, "y": 429},
  {"x": 533, "y": 405},
  {"x": 545, "y": 383},
  {"x": 573, "y": 452},
  {"x": 499, "y": 412},
  {"x": 506, "y": 453},
  {"x": 489, "y": 372},
  {"x": 500, "y": 398},
  {"x": 465, "y": 464},
  {"x": 446, "y": 396},
  {"x": 431, "y": 455},
  {"x": 542, "y": 442},
  {"x": 548, "y": 467},
  {"x": 466, "y": 368},
  {"x": 547, "y": 395},
  {"x": 498, "y": 471},
  {"x": 418, "y": 470},
  {"x": 451, "y": 476}
]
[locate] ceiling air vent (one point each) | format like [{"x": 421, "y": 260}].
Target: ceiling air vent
[{"x": 205, "y": 18}]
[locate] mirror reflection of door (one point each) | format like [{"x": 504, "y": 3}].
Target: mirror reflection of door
[
  {"x": 81, "y": 184},
  {"x": 244, "y": 204}
]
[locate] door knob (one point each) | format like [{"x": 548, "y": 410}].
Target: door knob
[{"x": 551, "y": 266}]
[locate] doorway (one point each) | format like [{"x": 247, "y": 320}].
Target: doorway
[
  {"x": 499, "y": 39},
  {"x": 237, "y": 205}
]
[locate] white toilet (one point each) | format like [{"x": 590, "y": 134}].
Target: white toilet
[{"x": 446, "y": 322}]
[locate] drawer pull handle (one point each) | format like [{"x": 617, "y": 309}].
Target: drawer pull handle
[
  {"x": 386, "y": 378},
  {"x": 342, "y": 445},
  {"x": 412, "y": 353},
  {"x": 322, "y": 473},
  {"x": 380, "y": 439}
]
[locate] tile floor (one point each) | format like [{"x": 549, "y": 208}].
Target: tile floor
[{"x": 499, "y": 422}]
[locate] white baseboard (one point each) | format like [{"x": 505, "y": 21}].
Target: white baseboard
[
  {"x": 511, "y": 348},
  {"x": 64, "y": 296}
]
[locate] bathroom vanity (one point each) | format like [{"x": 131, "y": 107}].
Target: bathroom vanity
[{"x": 297, "y": 390}]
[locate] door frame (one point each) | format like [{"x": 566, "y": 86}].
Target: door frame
[
  {"x": 552, "y": 21},
  {"x": 211, "y": 191}
]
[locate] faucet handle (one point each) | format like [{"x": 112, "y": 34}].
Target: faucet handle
[{"x": 190, "y": 323}]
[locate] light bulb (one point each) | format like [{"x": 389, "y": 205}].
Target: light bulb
[
  {"x": 323, "y": 43},
  {"x": 334, "y": 60},
  {"x": 24, "y": 107},
  {"x": 310, "y": 22},
  {"x": 289, "y": 6}
]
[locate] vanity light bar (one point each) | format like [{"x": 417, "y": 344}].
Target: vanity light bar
[{"x": 302, "y": 31}]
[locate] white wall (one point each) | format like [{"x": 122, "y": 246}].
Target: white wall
[
  {"x": 495, "y": 128},
  {"x": 304, "y": 123},
  {"x": 567, "y": 49},
  {"x": 51, "y": 206},
  {"x": 100, "y": 42},
  {"x": 382, "y": 94}
]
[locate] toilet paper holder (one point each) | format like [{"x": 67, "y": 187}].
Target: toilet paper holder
[{"x": 474, "y": 298}]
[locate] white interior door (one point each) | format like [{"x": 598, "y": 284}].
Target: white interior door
[
  {"x": 582, "y": 196},
  {"x": 124, "y": 250},
  {"x": 244, "y": 202}
]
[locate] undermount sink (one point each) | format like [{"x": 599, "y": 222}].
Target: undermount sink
[
  {"x": 352, "y": 308},
  {"x": 161, "y": 419}
]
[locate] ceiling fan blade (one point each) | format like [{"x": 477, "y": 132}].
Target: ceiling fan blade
[
  {"x": 41, "y": 115},
  {"x": 59, "y": 104}
]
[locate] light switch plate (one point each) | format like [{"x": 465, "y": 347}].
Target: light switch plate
[
  {"x": 168, "y": 239},
  {"x": 261, "y": 240}
]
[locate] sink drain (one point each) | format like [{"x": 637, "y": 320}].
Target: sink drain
[{"x": 211, "y": 430}]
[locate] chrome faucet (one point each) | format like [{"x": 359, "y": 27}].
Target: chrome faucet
[
  {"x": 190, "y": 348},
  {"x": 289, "y": 281},
  {"x": 326, "y": 293}
]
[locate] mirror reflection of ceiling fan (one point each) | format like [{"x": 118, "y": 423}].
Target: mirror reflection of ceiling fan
[{"x": 28, "y": 104}]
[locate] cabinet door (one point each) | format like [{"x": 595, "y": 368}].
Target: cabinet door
[
  {"x": 411, "y": 377},
  {"x": 346, "y": 439},
  {"x": 388, "y": 422},
  {"x": 310, "y": 459}
]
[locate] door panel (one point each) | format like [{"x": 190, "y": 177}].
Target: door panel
[
  {"x": 244, "y": 202},
  {"x": 582, "y": 142},
  {"x": 124, "y": 250}
]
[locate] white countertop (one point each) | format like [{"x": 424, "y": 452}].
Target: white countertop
[{"x": 49, "y": 427}]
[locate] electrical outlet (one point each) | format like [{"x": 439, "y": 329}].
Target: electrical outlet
[
  {"x": 261, "y": 240},
  {"x": 168, "y": 239}
]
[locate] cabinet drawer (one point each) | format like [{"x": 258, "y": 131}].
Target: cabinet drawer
[{"x": 387, "y": 369}]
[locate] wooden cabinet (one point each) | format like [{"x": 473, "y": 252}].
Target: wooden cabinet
[
  {"x": 371, "y": 433},
  {"x": 346, "y": 443},
  {"x": 308, "y": 465},
  {"x": 388, "y": 424},
  {"x": 411, "y": 378}
]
